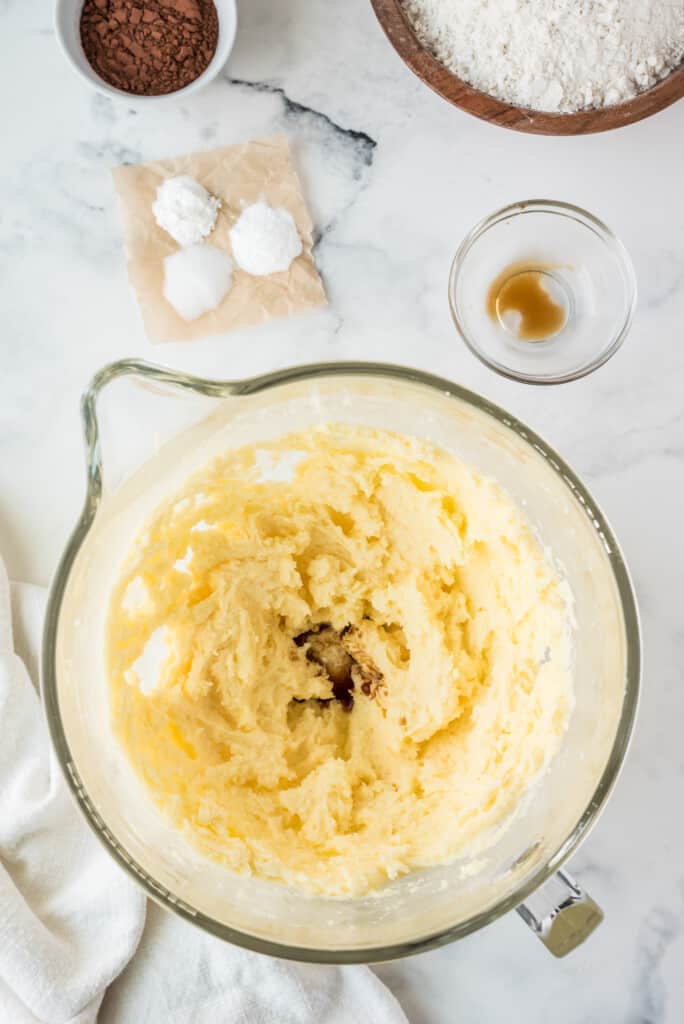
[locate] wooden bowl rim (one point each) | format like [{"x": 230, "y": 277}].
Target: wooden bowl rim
[{"x": 401, "y": 34}]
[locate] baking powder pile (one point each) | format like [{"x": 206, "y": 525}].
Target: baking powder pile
[
  {"x": 265, "y": 239},
  {"x": 554, "y": 55}
]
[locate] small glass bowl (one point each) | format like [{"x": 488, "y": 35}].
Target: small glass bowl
[{"x": 582, "y": 267}]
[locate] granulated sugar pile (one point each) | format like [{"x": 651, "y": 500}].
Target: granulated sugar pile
[{"x": 554, "y": 55}]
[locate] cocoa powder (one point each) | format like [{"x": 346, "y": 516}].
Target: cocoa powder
[{"x": 149, "y": 47}]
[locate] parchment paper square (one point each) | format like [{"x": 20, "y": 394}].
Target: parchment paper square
[{"x": 238, "y": 175}]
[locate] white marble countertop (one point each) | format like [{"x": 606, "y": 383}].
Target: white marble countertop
[{"x": 394, "y": 178}]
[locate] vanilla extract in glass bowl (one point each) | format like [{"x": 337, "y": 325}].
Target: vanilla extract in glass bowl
[
  {"x": 529, "y": 301},
  {"x": 542, "y": 292}
]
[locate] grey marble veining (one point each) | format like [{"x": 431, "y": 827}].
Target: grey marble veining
[{"x": 394, "y": 178}]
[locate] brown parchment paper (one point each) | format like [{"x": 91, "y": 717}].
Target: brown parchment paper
[{"x": 237, "y": 175}]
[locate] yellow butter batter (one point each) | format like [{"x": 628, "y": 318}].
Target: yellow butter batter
[{"x": 365, "y": 658}]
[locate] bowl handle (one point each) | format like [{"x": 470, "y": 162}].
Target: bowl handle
[
  {"x": 153, "y": 379},
  {"x": 561, "y": 914}
]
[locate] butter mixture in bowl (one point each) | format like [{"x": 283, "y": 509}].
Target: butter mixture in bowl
[{"x": 360, "y": 652}]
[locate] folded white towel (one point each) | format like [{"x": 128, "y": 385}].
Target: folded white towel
[
  {"x": 181, "y": 976},
  {"x": 70, "y": 920}
]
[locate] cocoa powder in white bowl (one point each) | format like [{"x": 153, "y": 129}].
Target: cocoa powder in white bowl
[{"x": 143, "y": 50}]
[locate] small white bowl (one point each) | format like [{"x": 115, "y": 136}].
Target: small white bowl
[{"x": 67, "y": 28}]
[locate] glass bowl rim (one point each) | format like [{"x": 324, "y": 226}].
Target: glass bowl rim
[
  {"x": 572, "y": 212},
  {"x": 254, "y": 385}
]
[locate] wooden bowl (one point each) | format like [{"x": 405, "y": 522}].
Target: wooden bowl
[{"x": 401, "y": 34}]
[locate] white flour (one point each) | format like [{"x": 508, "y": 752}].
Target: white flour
[{"x": 554, "y": 55}]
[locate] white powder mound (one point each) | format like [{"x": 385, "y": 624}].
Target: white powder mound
[
  {"x": 185, "y": 209},
  {"x": 554, "y": 55},
  {"x": 265, "y": 239},
  {"x": 197, "y": 279}
]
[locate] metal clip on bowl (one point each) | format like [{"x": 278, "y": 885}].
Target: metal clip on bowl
[{"x": 561, "y": 914}]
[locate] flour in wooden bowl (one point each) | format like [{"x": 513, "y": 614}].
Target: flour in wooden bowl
[{"x": 554, "y": 55}]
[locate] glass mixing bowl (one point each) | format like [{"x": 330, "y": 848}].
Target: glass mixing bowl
[{"x": 146, "y": 430}]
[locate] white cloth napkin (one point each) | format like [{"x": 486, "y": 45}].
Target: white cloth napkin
[
  {"x": 70, "y": 920},
  {"x": 179, "y": 975}
]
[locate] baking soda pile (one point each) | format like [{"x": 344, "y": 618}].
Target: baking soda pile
[
  {"x": 554, "y": 55},
  {"x": 185, "y": 210}
]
